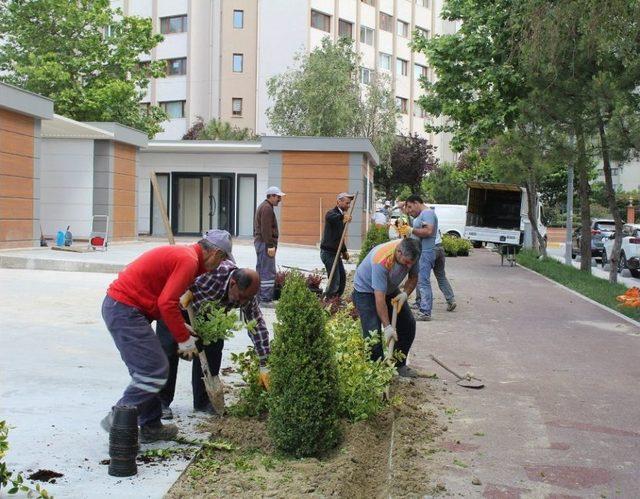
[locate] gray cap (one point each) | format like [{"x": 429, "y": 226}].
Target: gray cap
[
  {"x": 274, "y": 190},
  {"x": 221, "y": 239},
  {"x": 345, "y": 195}
]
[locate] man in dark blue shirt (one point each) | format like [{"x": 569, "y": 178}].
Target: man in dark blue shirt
[{"x": 334, "y": 221}]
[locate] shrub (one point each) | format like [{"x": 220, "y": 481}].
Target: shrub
[
  {"x": 361, "y": 381},
  {"x": 455, "y": 246},
  {"x": 303, "y": 399},
  {"x": 375, "y": 235},
  {"x": 213, "y": 323},
  {"x": 252, "y": 399},
  {"x": 464, "y": 246}
]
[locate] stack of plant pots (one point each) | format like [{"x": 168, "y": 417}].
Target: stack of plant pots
[{"x": 123, "y": 441}]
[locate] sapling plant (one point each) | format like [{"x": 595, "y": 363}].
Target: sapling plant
[
  {"x": 214, "y": 323},
  {"x": 252, "y": 398}
]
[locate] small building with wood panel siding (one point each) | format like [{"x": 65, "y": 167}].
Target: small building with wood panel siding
[{"x": 21, "y": 114}]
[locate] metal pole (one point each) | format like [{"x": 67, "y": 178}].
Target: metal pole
[{"x": 568, "y": 236}]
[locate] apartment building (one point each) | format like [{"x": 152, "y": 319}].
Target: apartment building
[{"x": 220, "y": 53}]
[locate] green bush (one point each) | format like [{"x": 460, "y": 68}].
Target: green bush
[
  {"x": 252, "y": 399},
  {"x": 455, "y": 246},
  {"x": 361, "y": 380},
  {"x": 303, "y": 400},
  {"x": 375, "y": 235},
  {"x": 464, "y": 246}
]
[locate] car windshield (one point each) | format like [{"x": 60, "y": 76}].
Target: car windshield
[{"x": 606, "y": 226}]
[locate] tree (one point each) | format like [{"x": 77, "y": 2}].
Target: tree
[
  {"x": 411, "y": 159},
  {"x": 83, "y": 55},
  {"x": 445, "y": 185},
  {"x": 217, "y": 130}
]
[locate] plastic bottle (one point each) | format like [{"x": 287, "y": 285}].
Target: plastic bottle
[{"x": 60, "y": 238}]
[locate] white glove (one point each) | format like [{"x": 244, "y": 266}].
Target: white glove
[
  {"x": 188, "y": 349},
  {"x": 389, "y": 334},
  {"x": 399, "y": 298}
]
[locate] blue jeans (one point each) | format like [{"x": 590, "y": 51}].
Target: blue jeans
[
  {"x": 365, "y": 304},
  {"x": 427, "y": 260},
  {"x": 143, "y": 355}
]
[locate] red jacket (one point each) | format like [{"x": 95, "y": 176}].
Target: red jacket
[{"x": 154, "y": 282}]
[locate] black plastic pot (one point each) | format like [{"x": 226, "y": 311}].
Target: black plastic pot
[{"x": 123, "y": 442}]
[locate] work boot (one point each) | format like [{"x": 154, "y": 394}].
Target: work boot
[
  {"x": 415, "y": 306},
  {"x": 406, "y": 372},
  {"x": 421, "y": 316},
  {"x": 167, "y": 413},
  {"x": 152, "y": 432},
  {"x": 451, "y": 306}
]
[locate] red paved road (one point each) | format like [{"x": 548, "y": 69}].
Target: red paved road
[{"x": 561, "y": 410}]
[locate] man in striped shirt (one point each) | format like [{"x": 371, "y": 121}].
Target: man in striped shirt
[{"x": 231, "y": 287}]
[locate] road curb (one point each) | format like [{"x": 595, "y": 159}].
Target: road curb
[
  {"x": 19, "y": 262},
  {"x": 593, "y": 302}
]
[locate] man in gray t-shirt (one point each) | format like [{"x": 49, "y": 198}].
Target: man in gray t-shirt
[{"x": 425, "y": 227}]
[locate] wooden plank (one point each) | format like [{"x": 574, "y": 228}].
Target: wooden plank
[
  {"x": 16, "y": 187},
  {"x": 315, "y": 171},
  {"x": 15, "y": 143},
  {"x": 163, "y": 211},
  {"x": 16, "y": 122},
  {"x": 16, "y": 208},
  {"x": 314, "y": 158},
  {"x": 310, "y": 186},
  {"x": 16, "y": 166}
]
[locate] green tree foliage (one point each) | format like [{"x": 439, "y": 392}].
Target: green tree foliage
[
  {"x": 304, "y": 399},
  {"x": 445, "y": 185},
  {"x": 375, "y": 235},
  {"x": 217, "y": 130},
  {"x": 84, "y": 56}
]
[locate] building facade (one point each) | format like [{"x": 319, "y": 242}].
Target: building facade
[{"x": 221, "y": 53}]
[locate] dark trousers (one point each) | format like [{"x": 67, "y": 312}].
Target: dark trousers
[
  {"x": 266, "y": 269},
  {"x": 142, "y": 353},
  {"x": 339, "y": 281},
  {"x": 365, "y": 303},
  {"x": 170, "y": 347}
]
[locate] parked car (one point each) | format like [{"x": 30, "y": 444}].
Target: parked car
[
  {"x": 601, "y": 229},
  {"x": 629, "y": 251}
]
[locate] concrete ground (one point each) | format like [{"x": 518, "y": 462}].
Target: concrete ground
[
  {"x": 558, "y": 417},
  {"x": 60, "y": 372}
]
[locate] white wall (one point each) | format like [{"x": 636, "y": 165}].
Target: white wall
[
  {"x": 173, "y": 129},
  {"x": 66, "y": 186},
  {"x": 166, "y": 162},
  {"x": 283, "y": 27}
]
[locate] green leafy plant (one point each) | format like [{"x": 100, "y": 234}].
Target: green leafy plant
[
  {"x": 252, "y": 399},
  {"x": 361, "y": 381},
  {"x": 375, "y": 235},
  {"x": 213, "y": 323},
  {"x": 304, "y": 397},
  {"x": 455, "y": 246},
  {"x": 10, "y": 478}
]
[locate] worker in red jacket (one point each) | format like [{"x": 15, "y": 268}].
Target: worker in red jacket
[{"x": 147, "y": 289}]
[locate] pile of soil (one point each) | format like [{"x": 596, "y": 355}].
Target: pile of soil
[{"x": 387, "y": 455}]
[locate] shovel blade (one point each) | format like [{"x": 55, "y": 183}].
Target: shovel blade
[
  {"x": 215, "y": 392},
  {"x": 471, "y": 383}
]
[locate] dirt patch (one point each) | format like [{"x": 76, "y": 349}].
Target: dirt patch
[
  {"x": 389, "y": 455},
  {"x": 45, "y": 476}
]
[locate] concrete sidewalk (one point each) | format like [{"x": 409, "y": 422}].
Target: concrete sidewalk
[
  {"x": 559, "y": 414},
  {"x": 60, "y": 373}
]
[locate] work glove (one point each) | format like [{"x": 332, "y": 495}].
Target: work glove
[
  {"x": 399, "y": 298},
  {"x": 346, "y": 218},
  {"x": 405, "y": 230},
  {"x": 264, "y": 377},
  {"x": 188, "y": 349},
  {"x": 271, "y": 252},
  {"x": 345, "y": 256},
  {"x": 389, "y": 334}
]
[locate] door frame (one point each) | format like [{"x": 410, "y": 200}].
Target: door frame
[
  {"x": 204, "y": 176},
  {"x": 166, "y": 199},
  {"x": 255, "y": 195}
]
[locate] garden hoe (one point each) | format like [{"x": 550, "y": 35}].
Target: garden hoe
[
  {"x": 213, "y": 384},
  {"x": 466, "y": 381},
  {"x": 397, "y": 305}
]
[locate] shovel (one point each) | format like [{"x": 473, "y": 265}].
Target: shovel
[
  {"x": 467, "y": 381},
  {"x": 397, "y": 305},
  {"x": 212, "y": 384}
]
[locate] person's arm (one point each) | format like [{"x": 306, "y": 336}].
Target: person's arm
[
  {"x": 266, "y": 223},
  {"x": 379, "y": 275},
  {"x": 169, "y": 300},
  {"x": 410, "y": 284},
  {"x": 425, "y": 231},
  {"x": 260, "y": 335},
  {"x": 381, "y": 308}
]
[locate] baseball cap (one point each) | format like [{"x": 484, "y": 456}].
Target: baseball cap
[
  {"x": 274, "y": 190},
  {"x": 345, "y": 195},
  {"x": 221, "y": 239},
  {"x": 387, "y": 203}
]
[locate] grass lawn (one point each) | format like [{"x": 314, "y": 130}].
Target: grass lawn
[{"x": 588, "y": 285}]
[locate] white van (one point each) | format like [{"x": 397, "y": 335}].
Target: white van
[{"x": 451, "y": 219}]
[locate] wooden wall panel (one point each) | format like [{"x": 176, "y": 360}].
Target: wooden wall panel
[
  {"x": 16, "y": 123},
  {"x": 315, "y": 158},
  {"x": 124, "y": 210},
  {"x": 16, "y": 166}
]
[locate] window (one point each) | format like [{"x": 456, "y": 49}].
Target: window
[
  {"x": 422, "y": 32},
  {"x": 419, "y": 71},
  {"x": 174, "y": 108},
  {"x": 345, "y": 28},
  {"x": 177, "y": 66},
  {"x": 236, "y": 106},
  {"x": 385, "y": 61},
  {"x": 238, "y": 61},
  {"x": 423, "y": 3},
  {"x": 401, "y": 67},
  {"x": 365, "y": 75},
  {"x": 173, "y": 24},
  {"x": 238, "y": 19},
  {"x": 320, "y": 21},
  {"x": 418, "y": 110},
  {"x": 366, "y": 35},
  {"x": 386, "y": 22},
  {"x": 401, "y": 105},
  {"x": 402, "y": 29}
]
